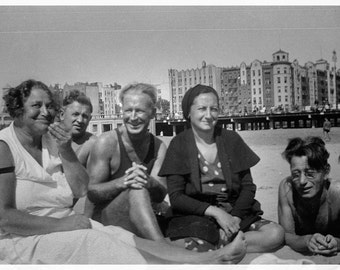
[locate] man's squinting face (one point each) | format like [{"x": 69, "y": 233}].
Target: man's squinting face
[
  {"x": 307, "y": 181},
  {"x": 138, "y": 110},
  {"x": 76, "y": 117}
]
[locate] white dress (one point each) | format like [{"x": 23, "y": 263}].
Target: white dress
[{"x": 44, "y": 191}]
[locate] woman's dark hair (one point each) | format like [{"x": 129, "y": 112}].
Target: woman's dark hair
[
  {"x": 311, "y": 147},
  {"x": 16, "y": 97},
  {"x": 80, "y": 97},
  {"x": 190, "y": 96}
]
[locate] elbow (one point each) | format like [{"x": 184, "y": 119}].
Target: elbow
[{"x": 92, "y": 195}]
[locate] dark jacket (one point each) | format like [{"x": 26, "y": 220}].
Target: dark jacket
[{"x": 181, "y": 167}]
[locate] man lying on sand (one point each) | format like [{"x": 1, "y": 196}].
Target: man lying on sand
[{"x": 309, "y": 202}]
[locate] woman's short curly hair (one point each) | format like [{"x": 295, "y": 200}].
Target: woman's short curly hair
[
  {"x": 312, "y": 147},
  {"x": 16, "y": 97}
]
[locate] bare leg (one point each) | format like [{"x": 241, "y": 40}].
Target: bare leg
[
  {"x": 142, "y": 215},
  {"x": 164, "y": 252},
  {"x": 232, "y": 253},
  {"x": 268, "y": 238}
]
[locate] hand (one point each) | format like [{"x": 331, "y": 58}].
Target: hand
[
  {"x": 75, "y": 222},
  {"x": 230, "y": 224},
  {"x": 62, "y": 135},
  {"x": 324, "y": 245},
  {"x": 136, "y": 177}
]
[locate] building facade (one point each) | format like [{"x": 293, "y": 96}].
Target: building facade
[{"x": 181, "y": 81}]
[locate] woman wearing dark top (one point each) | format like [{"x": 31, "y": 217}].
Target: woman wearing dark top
[{"x": 209, "y": 182}]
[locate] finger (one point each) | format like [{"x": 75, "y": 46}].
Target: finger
[
  {"x": 137, "y": 177},
  {"x": 141, "y": 166},
  {"x": 140, "y": 173},
  {"x": 312, "y": 247},
  {"x": 141, "y": 179},
  {"x": 129, "y": 170},
  {"x": 321, "y": 240},
  {"x": 129, "y": 182},
  {"x": 136, "y": 186},
  {"x": 59, "y": 133}
]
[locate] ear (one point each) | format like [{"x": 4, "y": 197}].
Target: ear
[
  {"x": 153, "y": 114},
  {"x": 61, "y": 114},
  {"x": 327, "y": 171}
]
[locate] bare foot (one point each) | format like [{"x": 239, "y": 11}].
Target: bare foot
[{"x": 233, "y": 252}]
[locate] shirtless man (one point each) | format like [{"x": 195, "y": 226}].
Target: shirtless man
[
  {"x": 76, "y": 115},
  {"x": 309, "y": 202},
  {"x": 124, "y": 165}
]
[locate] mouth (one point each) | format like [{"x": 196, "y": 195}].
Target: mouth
[
  {"x": 306, "y": 190},
  {"x": 137, "y": 125},
  {"x": 77, "y": 127},
  {"x": 44, "y": 121}
]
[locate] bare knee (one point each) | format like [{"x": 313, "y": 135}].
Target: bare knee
[{"x": 274, "y": 235}]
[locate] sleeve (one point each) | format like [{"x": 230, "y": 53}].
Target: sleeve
[
  {"x": 179, "y": 201},
  {"x": 242, "y": 157},
  {"x": 176, "y": 160},
  {"x": 176, "y": 168},
  {"x": 244, "y": 203}
]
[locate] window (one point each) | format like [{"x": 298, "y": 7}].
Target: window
[
  {"x": 285, "y": 70},
  {"x": 254, "y": 82},
  {"x": 285, "y": 79},
  {"x": 260, "y": 91},
  {"x": 279, "y": 89},
  {"x": 286, "y": 89},
  {"x": 254, "y": 90},
  {"x": 253, "y": 72},
  {"x": 279, "y": 98},
  {"x": 286, "y": 98},
  {"x": 278, "y": 71},
  {"x": 278, "y": 57},
  {"x": 259, "y": 72},
  {"x": 283, "y": 57},
  {"x": 260, "y": 100},
  {"x": 259, "y": 81},
  {"x": 94, "y": 128}
]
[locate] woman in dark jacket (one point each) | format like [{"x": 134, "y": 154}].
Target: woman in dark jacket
[{"x": 209, "y": 182}]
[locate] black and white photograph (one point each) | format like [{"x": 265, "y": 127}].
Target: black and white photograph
[{"x": 170, "y": 134}]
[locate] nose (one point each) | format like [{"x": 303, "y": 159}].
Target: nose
[
  {"x": 303, "y": 179},
  {"x": 44, "y": 110},
  {"x": 133, "y": 115},
  {"x": 208, "y": 113},
  {"x": 80, "y": 118}
]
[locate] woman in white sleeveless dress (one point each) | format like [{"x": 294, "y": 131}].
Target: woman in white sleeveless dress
[{"x": 39, "y": 177}]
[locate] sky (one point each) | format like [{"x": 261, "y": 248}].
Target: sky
[{"x": 123, "y": 44}]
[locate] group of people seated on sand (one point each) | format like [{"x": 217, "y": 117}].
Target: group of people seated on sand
[{"x": 48, "y": 161}]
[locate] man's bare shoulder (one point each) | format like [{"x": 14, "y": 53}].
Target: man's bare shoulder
[
  {"x": 107, "y": 140},
  {"x": 334, "y": 189},
  {"x": 285, "y": 186}
]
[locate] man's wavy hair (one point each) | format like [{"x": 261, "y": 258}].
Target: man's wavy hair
[
  {"x": 311, "y": 147},
  {"x": 144, "y": 88},
  {"x": 80, "y": 97},
  {"x": 16, "y": 97}
]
